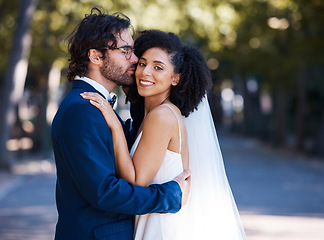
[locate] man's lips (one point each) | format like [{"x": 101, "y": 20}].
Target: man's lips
[{"x": 131, "y": 70}]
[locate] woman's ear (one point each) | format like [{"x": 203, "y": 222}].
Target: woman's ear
[
  {"x": 94, "y": 56},
  {"x": 176, "y": 79}
]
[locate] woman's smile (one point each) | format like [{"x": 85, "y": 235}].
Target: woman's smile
[{"x": 145, "y": 83}]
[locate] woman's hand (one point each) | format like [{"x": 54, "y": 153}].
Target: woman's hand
[{"x": 105, "y": 108}]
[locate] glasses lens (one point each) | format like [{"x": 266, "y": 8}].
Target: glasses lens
[{"x": 129, "y": 52}]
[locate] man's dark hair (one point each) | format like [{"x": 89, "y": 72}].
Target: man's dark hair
[
  {"x": 195, "y": 79},
  {"x": 93, "y": 32}
]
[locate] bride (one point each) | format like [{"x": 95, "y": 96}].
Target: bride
[{"x": 177, "y": 133}]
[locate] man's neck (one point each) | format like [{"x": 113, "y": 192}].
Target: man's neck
[{"x": 107, "y": 84}]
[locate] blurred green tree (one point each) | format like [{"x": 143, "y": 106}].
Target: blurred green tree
[
  {"x": 14, "y": 81},
  {"x": 276, "y": 43}
]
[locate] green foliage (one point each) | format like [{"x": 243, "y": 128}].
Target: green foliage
[
  {"x": 8, "y": 15},
  {"x": 271, "y": 40}
]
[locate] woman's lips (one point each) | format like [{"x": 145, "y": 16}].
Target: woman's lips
[{"x": 144, "y": 83}]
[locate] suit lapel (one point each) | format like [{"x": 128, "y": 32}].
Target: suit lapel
[{"x": 86, "y": 86}]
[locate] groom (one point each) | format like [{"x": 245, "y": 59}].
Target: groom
[{"x": 92, "y": 202}]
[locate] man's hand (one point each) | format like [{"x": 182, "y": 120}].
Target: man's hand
[{"x": 184, "y": 181}]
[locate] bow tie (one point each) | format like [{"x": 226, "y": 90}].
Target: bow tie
[{"x": 112, "y": 101}]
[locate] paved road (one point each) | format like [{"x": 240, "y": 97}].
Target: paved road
[
  {"x": 280, "y": 195},
  {"x": 27, "y": 204}
]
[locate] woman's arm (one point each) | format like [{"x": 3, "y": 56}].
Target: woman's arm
[{"x": 151, "y": 149}]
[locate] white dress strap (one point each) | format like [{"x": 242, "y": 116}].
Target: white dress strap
[{"x": 178, "y": 125}]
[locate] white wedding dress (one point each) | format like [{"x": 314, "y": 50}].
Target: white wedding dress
[
  {"x": 160, "y": 226},
  {"x": 211, "y": 212}
]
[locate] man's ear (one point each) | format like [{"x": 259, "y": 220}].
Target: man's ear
[
  {"x": 176, "y": 79},
  {"x": 95, "y": 56}
]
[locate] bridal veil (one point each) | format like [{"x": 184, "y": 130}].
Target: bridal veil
[{"x": 211, "y": 212}]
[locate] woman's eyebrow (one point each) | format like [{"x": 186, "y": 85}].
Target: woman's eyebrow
[{"x": 155, "y": 61}]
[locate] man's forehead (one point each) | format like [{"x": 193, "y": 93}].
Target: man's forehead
[{"x": 124, "y": 38}]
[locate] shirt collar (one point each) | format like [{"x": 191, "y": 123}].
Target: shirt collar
[{"x": 96, "y": 85}]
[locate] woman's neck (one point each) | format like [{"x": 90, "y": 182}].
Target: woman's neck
[{"x": 153, "y": 102}]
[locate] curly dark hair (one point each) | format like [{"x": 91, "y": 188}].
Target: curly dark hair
[
  {"x": 93, "y": 32},
  {"x": 195, "y": 79}
]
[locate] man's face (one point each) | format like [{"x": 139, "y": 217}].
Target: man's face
[{"x": 116, "y": 67}]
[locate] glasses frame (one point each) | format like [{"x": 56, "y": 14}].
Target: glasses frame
[{"x": 127, "y": 50}]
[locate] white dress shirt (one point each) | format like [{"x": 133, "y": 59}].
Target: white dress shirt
[{"x": 96, "y": 85}]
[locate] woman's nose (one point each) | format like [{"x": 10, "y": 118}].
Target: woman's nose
[{"x": 146, "y": 71}]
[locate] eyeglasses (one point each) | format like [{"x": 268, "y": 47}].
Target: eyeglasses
[{"x": 127, "y": 50}]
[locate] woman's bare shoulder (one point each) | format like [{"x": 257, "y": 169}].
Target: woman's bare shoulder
[{"x": 162, "y": 116}]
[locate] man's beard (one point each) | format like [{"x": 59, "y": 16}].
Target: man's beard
[{"x": 111, "y": 71}]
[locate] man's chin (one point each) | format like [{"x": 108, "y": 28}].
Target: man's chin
[
  {"x": 124, "y": 79},
  {"x": 130, "y": 80}
]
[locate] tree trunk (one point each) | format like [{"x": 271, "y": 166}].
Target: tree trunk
[
  {"x": 14, "y": 81},
  {"x": 301, "y": 105},
  {"x": 319, "y": 143},
  {"x": 248, "y": 113},
  {"x": 281, "y": 117}
]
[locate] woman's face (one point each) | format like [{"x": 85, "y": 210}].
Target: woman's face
[{"x": 155, "y": 73}]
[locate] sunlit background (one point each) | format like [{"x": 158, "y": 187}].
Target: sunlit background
[{"x": 266, "y": 58}]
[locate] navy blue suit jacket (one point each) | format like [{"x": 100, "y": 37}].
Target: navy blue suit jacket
[{"x": 92, "y": 202}]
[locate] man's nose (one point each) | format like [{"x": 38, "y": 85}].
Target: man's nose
[{"x": 133, "y": 59}]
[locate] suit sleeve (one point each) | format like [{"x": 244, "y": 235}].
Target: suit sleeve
[{"x": 86, "y": 147}]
